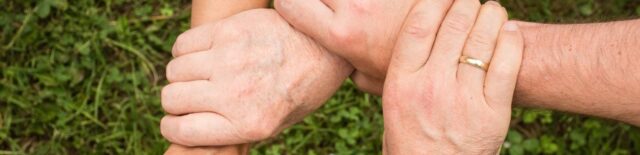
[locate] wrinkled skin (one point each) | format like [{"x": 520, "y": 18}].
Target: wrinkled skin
[
  {"x": 244, "y": 79},
  {"x": 364, "y": 32},
  {"x": 435, "y": 105}
]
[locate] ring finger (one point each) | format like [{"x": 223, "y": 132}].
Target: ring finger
[{"x": 481, "y": 44}]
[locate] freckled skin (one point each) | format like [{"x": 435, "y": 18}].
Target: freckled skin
[
  {"x": 531, "y": 92},
  {"x": 259, "y": 76},
  {"x": 577, "y": 68}
]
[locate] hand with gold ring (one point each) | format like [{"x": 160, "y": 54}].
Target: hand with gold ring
[{"x": 453, "y": 96}]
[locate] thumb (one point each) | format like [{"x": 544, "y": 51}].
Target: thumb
[{"x": 311, "y": 17}]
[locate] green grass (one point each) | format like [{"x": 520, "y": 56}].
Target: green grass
[{"x": 83, "y": 77}]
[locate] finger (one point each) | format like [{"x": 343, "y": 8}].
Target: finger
[
  {"x": 311, "y": 17},
  {"x": 175, "y": 149},
  {"x": 452, "y": 35},
  {"x": 194, "y": 96},
  {"x": 200, "y": 129},
  {"x": 367, "y": 84},
  {"x": 417, "y": 35},
  {"x": 333, "y": 4},
  {"x": 503, "y": 71},
  {"x": 195, "y": 66},
  {"x": 481, "y": 44},
  {"x": 195, "y": 40}
]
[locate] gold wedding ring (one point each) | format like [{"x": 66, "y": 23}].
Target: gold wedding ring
[{"x": 474, "y": 62}]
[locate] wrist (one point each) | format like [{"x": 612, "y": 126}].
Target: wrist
[
  {"x": 533, "y": 66},
  {"x": 393, "y": 145},
  {"x": 408, "y": 132},
  {"x": 218, "y": 150},
  {"x": 204, "y": 11}
]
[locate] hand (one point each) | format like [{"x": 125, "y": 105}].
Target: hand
[
  {"x": 244, "y": 79},
  {"x": 209, "y": 150},
  {"x": 363, "y": 32},
  {"x": 435, "y": 105}
]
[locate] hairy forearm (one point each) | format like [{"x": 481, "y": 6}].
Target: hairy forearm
[{"x": 591, "y": 69}]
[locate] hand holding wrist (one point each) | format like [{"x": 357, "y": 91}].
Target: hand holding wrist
[
  {"x": 244, "y": 79},
  {"x": 433, "y": 105}
]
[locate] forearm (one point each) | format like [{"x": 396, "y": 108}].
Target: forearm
[
  {"x": 217, "y": 150},
  {"x": 204, "y": 11},
  {"x": 589, "y": 69}
]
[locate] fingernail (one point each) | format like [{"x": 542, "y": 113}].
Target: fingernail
[
  {"x": 510, "y": 26},
  {"x": 495, "y": 3}
]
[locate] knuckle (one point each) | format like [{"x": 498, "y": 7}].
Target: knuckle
[
  {"x": 196, "y": 39},
  {"x": 178, "y": 46},
  {"x": 171, "y": 71},
  {"x": 230, "y": 29},
  {"x": 168, "y": 98},
  {"x": 283, "y": 5},
  {"x": 419, "y": 28},
  {"x": 165, "y": 99},
  {"x": 481, "y": 41},
  {"x": 475, "y": 4},
  {"x": 185, "y": 134},
  {"x": 175, "y": 131},
  {"x": 164, "y": 129},
  {"x": 361, "y": 7},
  {"x": 341, "y": 34},
  {"x": 344, "y": 37},
  {"x": 458, "y": 23}
]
